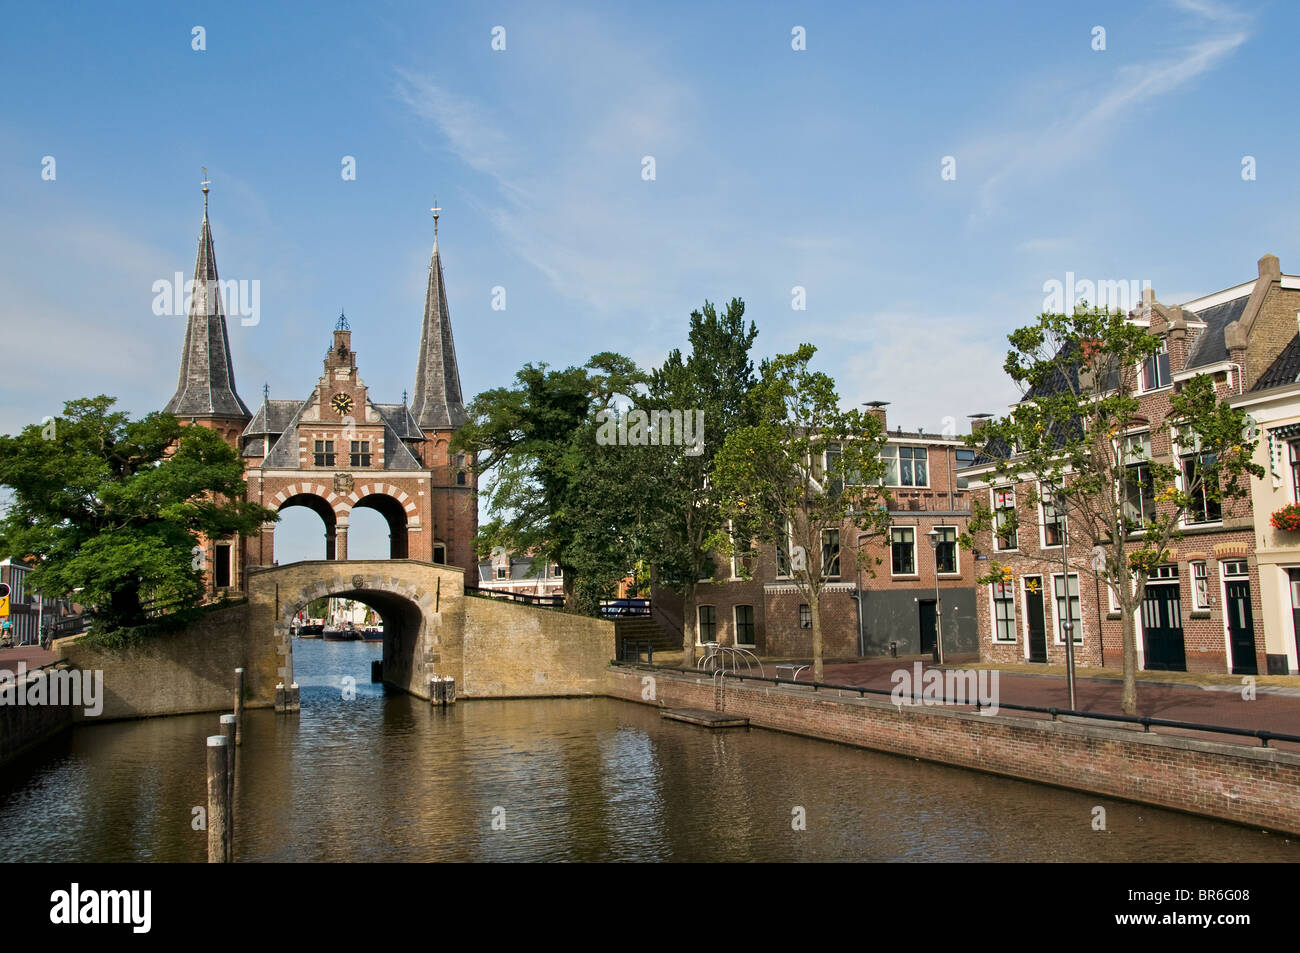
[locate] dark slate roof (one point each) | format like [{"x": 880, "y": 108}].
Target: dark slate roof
[
  {"x": 206, "y": 386},
  {"x": 1209, "y": 346},
  {"x": 284, "y": 453},
  {"x": 397, "y": 455},
  {"x": 436, "y": 402},
  {"x": 1284, "y": 370},
  {"x": 272, "y": 417},
  {"x": 399, "y": 417}
]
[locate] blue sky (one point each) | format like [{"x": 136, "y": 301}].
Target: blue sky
[{"x": 774, "y": 168}]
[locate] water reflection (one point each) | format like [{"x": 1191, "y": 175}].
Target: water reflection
[{"x": 382, "y": 776}]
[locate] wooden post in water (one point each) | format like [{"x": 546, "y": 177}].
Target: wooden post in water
[
  {"x": 228, "y": 725},
  {"x": 218, "y": 807},
  {"x": 239, "y": 706},
  {"x": 279, "y": 696}
]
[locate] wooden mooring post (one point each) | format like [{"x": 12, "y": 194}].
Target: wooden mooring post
[
  {"x": 239, "y": 706},
  {"x": 218, "y": 804},
  {"x": 442, "y": 691},
  {"x": 228, "y": 725}
]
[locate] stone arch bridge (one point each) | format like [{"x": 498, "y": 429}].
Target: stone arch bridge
[
  {"x": 493, "y": 649},
  {"x": 431, "y": 627}
]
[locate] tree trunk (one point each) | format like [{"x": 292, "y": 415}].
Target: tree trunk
[
  {"x": 125, "y": 608},
  {"x": 570, "y": 591},
  {"x": 814, "y": 606},
  {"x": 1129, "y": 697},
  {"x": 688, "y": 625}
]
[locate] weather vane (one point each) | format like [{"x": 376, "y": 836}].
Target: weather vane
[
  {"x": 205, "y": 183},
  {"x": 435, "y": 210}
]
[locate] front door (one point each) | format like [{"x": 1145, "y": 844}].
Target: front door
[
  {"x": 1162, "y": 629},
  {"x": 1037, "y": 620},
  {"x": 929, "y": 628},
  {"x": 1241, "y": 627}
]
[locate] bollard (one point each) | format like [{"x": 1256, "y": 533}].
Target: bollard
[
  {"x": 435, "y": 690},
  {"x": 218, "y": 807},
  {"x": 279, "y": 696},
  {"x": 228, "y": 731},
  {"x": 291, "y": 698},
  {"x": 377, "y": 670},
  {"x": 449, "y": 691},
  {"x": 239, "y": 706}
]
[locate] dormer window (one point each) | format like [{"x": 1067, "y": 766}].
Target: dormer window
[{"x": 1155, "y": 369}]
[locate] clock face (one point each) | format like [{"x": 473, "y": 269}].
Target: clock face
[{"x": 342, "y": 403}]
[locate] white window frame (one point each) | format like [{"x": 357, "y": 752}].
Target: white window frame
[
  {"x": 698, "y": 629},
  {"x": 789, "y": 553},
  {"x": 1181, "y": 455},
  {"x": 993, "y": 611},
  {"x": 1141, "y": 370},
  {"x": 956, "y": 552},
  {"x": 1043, "y": 504},
  {"x": 993, "y": 499},
  {"x": 735, "y": 621},
  {"x": 839, "y": 554},
  {"x": 915, "y": 568},
  {"x": 962, "y": 482},
  {"x": 1199, "y": 604},
  {"x": 1058, "y": 630},
  {"x": 892, "y": 452}
]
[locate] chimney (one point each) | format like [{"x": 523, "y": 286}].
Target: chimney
[
  {"x": 978, "y": 422},
  {"x": 877, "y": 409}
]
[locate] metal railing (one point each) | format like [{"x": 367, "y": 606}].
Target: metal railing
[
  {"x": 546, "y": 602},
  {"x": 1147, "y": 722}
]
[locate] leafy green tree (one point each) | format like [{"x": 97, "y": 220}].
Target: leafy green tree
[
  {"x": 802, "y": 468},
  {"x": 1076, "y": 433},
  {"x": 682, "y": 515},
  {"x": 549, "y": 492},
  {"x": 111, "y": 508}
]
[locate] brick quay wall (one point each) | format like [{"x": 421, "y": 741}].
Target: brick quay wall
[{"x": 1256, "y": 786}]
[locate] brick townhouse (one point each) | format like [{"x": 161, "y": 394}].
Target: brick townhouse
[
  {"x": 1273, "y": 404},
  {"x": 767, "y": 613},
  {"x": 1202, "y": 609}
]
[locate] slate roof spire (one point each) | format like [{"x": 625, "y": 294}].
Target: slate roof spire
[
  {"x": 206, "y": 387},
  {"x": 436, "y": 401}
]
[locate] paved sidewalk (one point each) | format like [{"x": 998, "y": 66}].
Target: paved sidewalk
[
  {"x": 33, "y": 655},
  {"x": 1210, "y": 704}
]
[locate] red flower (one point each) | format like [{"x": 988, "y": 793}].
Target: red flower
[{"x": 1287, "y": 518}]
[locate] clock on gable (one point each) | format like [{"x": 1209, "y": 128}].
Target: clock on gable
[{"x": 342, "y": 403}]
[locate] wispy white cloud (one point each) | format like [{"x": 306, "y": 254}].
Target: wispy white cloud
[{"x": 1044, "y": 144}]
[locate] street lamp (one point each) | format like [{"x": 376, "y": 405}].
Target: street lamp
[
  {"x": 862, "y": 647},
  {"x": 934, "y": 536},
  {"x": 1067, "y": 618}
]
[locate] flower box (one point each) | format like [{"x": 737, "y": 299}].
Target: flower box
[{"x": 1287, "y": 518}]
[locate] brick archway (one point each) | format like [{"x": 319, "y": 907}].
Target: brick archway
[{"x": 419, "y": 603}]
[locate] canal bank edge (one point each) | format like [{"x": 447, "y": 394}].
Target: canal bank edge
[{"x": 1258, "y": 787}]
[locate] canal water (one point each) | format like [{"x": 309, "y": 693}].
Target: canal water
[{"x": 368, "y": 774}]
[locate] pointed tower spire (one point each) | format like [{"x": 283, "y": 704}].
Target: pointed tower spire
[
  {"x": 206, "y": 387},
  {"x": 436, "y": 401}
]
